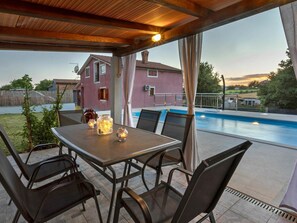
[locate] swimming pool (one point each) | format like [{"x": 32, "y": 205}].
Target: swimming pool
[{"x": 277, "y": 131}]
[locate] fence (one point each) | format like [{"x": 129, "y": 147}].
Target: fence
[
  {"x": 209, "y": 100},
  {"x": 16, "y": 98},
  {"x": 203, "y": 100}
]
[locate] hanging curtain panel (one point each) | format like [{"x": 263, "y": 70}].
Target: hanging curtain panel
[
  {"x": 129, "y": 64},
  {"x": 190, "y": 56}
]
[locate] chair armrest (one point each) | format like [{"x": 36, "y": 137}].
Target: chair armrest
[
  {"x": 186, "y": 172},
  {"x": 41, "y": 147},
  {"x": 60, "y": 186},
  {"x": 64, "y": 158},
  {"x": 162, "y": 154},
  {"x": 140, "y": 202}
]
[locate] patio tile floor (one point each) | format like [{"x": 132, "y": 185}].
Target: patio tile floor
[{"x": 262, "y": 178}]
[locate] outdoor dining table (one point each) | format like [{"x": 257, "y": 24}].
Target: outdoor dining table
[{"x": 103, "y": 151}]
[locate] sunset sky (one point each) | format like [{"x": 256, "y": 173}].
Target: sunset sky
[
  {"x": 246, "y": 79},
  {"x": 237, "y": 50}
]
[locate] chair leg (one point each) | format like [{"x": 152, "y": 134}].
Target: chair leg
[
  {"x": 128, "y": 173},
  {"x": 211, "y": 218},
  {"x": 83, "y": 206},
  {"x": 158, "y": 176},
  {"x": 16, "y": 216},
  {"x": 98, "y": 209},
  {"x": 124, "y": 172},
  {"x": 117, "y": 211}
]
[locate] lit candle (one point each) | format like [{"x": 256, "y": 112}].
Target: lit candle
[
  {"x": 122, "y": 134},
  {"x": 91, "y": 123}
]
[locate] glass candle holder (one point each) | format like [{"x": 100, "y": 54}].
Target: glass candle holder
[
  {"x": 91, "y": 123},
  {"x": 122, "y": 134},
  {"x": 104, "y": 125}
]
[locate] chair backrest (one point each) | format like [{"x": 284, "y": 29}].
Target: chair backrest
[
  {"x": 12, "y": 150},
  {"x": 70, "y": 117},
  {"x": 13, "y": 186},
  {"x": 148, "y": 120},
  {"x": 208, "y": 183},
  {"x": 177, "y": 126}
]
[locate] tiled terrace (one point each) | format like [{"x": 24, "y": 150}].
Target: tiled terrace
[{"x": 263, "y": 173}]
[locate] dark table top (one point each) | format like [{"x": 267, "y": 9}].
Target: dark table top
[{"x": 105, "y": 150}]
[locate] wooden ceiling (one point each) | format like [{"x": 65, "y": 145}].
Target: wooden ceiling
[{"x": 116, "y": 26}]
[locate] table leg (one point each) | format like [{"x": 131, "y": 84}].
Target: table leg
[{"x": 113, "y": 193}]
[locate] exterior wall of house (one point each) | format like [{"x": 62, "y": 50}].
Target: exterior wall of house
[
  {"x": 90, "y": 89},
  {"x": 165, "y": 82}
]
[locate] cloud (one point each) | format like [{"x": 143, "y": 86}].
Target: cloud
[{"x": 246, "y": 79}]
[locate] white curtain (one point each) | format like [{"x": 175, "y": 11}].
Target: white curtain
[
  {"x": 289, "y": 18},
  {"x": 190, "y": 56},
  {"x": 129, "y": 64}
]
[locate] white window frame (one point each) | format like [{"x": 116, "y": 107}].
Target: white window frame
[
  {"x": 102, "y": 70},
  {"x": 148, "y": 73},
  {"x": 94, "y": 71},
  {"x": 87, "y": 68},
  {"x": 149, "y": 92}
]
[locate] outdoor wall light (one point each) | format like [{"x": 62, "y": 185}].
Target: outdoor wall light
[{"x": 156, "y": 38}]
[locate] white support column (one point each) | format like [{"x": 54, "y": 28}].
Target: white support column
[{"x": 116, "y": 85}]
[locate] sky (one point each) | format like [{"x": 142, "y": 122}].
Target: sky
[{"x": 254, "y": 45}]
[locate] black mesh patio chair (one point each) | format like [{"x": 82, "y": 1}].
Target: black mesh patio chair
[
  {"x": 42, "y": 170},
  {"x": 148, "y": 120},
  {"x": 165, "y": 204},
  {"x": 71, "y": 117},
  {"x": 43, "y": 203},
  {"x": 176, "y": 126}
]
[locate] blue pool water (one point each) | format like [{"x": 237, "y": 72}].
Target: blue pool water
[{"x": 283, "y": 132}]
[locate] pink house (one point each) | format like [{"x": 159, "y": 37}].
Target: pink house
[{"x": 152, "y": 81}]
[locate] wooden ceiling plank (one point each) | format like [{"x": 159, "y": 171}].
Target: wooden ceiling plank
[
  {"x": 65, "y": 15},
  {"x": 186, "y": 7},
  {"x": 27, "y": 33},
  {"x": 57, "y": 47},
  {"x": 232, "y": 13}
]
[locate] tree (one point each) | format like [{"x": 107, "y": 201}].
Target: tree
[
  {"x": 208, "y": 80},
  {"x": 253, "y": 84},
  {"x": 43, "y": 85},
  {"x": 280, "y": 90},
  {"x": 23, "y": 83},
  {"x": 6, "y": 87}
]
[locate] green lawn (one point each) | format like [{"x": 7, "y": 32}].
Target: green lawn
[
  {"x": 249, "y": 90},
  {"x": 13, "y": 125}
]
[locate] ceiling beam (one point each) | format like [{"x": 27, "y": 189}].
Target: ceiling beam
[
  {"x": 45, "y": 35},
  {"x": 186, "y": 7},
  {"x": 232, "y": 13},
  {"x": 65, "y": 15},
  {"x": 13, "y": 45},
  {"x": 224, "y": 16}
]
